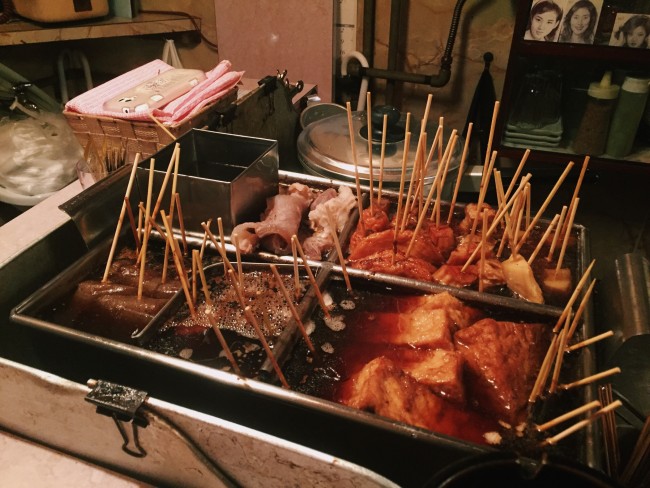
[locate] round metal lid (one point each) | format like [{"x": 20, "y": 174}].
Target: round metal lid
[{"x": 324, "y": 147}]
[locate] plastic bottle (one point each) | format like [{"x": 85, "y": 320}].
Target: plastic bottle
[
  {"x": 627, "y": 116},
  {"x": 594, "y": 125}
]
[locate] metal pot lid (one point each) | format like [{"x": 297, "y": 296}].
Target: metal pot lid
[{"x": 324, "y": 146}]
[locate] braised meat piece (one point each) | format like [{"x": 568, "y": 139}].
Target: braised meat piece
[
  {"x": 423, "y": 248},
  {"x": 502, "y": 360},
  {"x": 382, "y": 262}
]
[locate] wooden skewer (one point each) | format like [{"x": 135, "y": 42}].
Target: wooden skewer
[
  {"x": 294, "y": 312},
  {"x": 215, "y": 327},
  {"x": 568, "y": 415},
  {"x": 591, "y": 340},
  {"x": 400, "y": 197},
  {"x": 522, "y": 162},
  {"x": 205, "y": 239},
  {"x": 195, "y": 276},
  {"x": 544, "y": 238},
  {"x": 156, "y": 209},
  {"x": 370, "y": 168},
  {"x": 134, "y": 229},
  {"x": 541, "y": 210},
  {"x": 120, "y": 220},
  {"x": 481, "y": 269},
  {"x": 529, "y": 192},
  {"x": 485, "y": 182},
  {"x": 558, "y": 360},
  {"x": 495, "y": 113},
  {"x": 634, "y": 466},
  {"x": 222, "y": 237},
  {"x": 240, "y": 273},
  {"x": 540, "y": 381},
  {"x": 591, "y": 379},
  {"x": 516, "y": 219},
  {"x": 574, "y": 296},
  {"x": 312, "y": 279},
  {"x": 181, "y": 222},
  {"x": 556, "y": 236},
  {"x": 145, "y": 241},
  {"x": 409, "y": 192},
  {"x": 498, "y": 183},
  {"x": 339, "y": 251},
  {"x": 498, "y": 218},
  {"x": 172, "y": 204},
  {"x": 461, "y": 170},
  {"x": 583, "y": 423},
  {"x": 567, "y": 235},
  {"x": 220, "y": 250},
  {"x": 140, "y": 222},
  {"x": 356, "y": 164},
  {"x": 253, "y": 321},
  {"x": 382, "y": 158},
  {"x": 576, "y": 191},
  {"x": 446, "y": 161},
  {"x": 423, "y": 212},
  {"x": 296, "y": 274},
  {"x": 581, "y": 308},
  {"x": 177, "y": 261},
  {"x": 160, "y": 124}
]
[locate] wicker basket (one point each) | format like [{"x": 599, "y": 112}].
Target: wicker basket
[{"x": 144, "y": 137}]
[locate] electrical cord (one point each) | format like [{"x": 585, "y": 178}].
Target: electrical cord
[{"x": 211, "y": 44}]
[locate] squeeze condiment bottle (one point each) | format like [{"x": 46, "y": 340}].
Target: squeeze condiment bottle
[
  {"x": 627, "y": 116},
  {"x": 592, "y": 132}
]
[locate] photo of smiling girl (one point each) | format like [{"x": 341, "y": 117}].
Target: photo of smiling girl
[
  {"x": 580, "y": 20},
  {"x": 545, "y": 16}
]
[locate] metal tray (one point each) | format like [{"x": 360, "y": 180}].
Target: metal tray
[{"x": 405, "y": 454}]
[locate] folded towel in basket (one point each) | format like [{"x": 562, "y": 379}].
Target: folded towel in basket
[{"x": 218, "y": 82}]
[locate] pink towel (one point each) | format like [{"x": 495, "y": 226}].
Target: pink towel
[{"x": 218, "y": 81}]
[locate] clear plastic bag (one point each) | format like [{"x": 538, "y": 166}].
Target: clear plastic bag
[{"x": 39, "y": 156}]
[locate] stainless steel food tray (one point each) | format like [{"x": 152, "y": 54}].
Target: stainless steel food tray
[{"x": 403, "y": 453}]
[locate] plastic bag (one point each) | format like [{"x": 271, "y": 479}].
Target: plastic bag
[
  {"x": 170, "y": 54},
  {"x": 39, "y": 154}
]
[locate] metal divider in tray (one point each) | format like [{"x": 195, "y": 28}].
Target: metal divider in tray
[{"x": 320, "y": 383}]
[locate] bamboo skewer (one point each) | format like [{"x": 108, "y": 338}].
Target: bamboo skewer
[
  {"x": 240, "y": 272},
  {"x": 590, "y": 379},
  {"x": 581, "y": 308},
  {"x": 576, "y": 191},
  {"x": 356, "y": 165},
  {"x": 569, "y": 415},
  {"x": 339, "y": 251},
  {"x": 250, "y": 317},
  {"x": 134, "y": 229},
  {"x": 370, "y": 168},
  {"x": 194, "y": 275},
  {"x": 583, "y": 423},
  {"x": 409, "y": 192},
  {"x": 296, "y": 274},
  {"x": 495, "y": 113},
  {"x": 292, "y": 308},
  {"x": 544, "y": 238},
  {"x": 312, "y": 279},
  {"x": 574, "y": 296},
  {"x": 177, "y": 261},
  {"x": 215, "y": 327},
  {"x": 181, "y": 221},
  {"x": 160, "y": 124},
  {"x": 612, "y": 450},
  {"x": 520, "y": 167},
  {"x": 557, "y": 233},
  {"x": 567, "y": 235},
  {"x": 143, "y": 250},
  {"x": 382, "y": 157},
  {"x": 498, "y": 218},
  {"x": 120, "y": 220},
  {"x": 400, "y": 197},
  {"x": 540, "y": 381},
  {"x": 590, "y": 341},
  {"x": 461, "y": 170},
  {"x": 562, "y": 340},
  {"x": 638, "y": 457},
  {"x": 423, "y": 213},
  {"x": 205, "y": 238},
  {"x": 446, "y": 161},
  {"x": 481, "y": 269},
  {"x": 222, "y": 252},
  {"x": 172, "y": 204},
  {"x": 541, "y": 210},
  {"x": 485, "y": 182}
]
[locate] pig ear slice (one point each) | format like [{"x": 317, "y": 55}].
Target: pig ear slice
[
  {"x": 520, "y": 279},
  {"x": 245, "y": 237}
]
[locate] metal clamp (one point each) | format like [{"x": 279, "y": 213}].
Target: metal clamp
[{"x": 121, "y": 403}]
